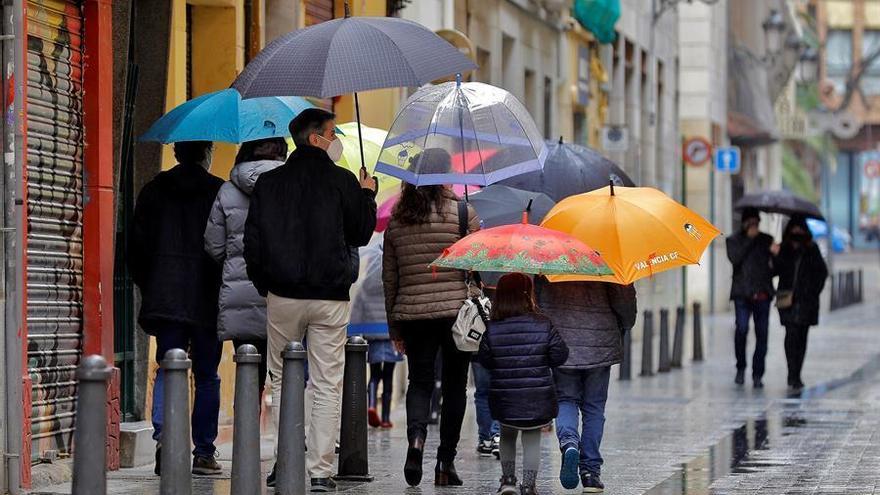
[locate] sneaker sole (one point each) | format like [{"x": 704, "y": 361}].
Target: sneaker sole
[
  {"x": 508, "y": 490},
  {"x": 319, "y": 489},
  {"x": 594, "y": 490},
  {"x": 207, "y": 472},
  {"x": 485, "y": 454},
  {"x": 569, "y": 475}
]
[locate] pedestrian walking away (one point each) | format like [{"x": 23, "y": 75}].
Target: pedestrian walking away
[
  {"x": 750, "y": 253},
  {"x": 242, "y": 311},
  {"x": 802, "y": 274},
  {"x": 422, "y": 304},
  {"x": 368, "y": 318},
  {"x": 179, "y": 286},
  {"x": 488, "y": 429},
  {"x": 520, "y": 350},
  {"x": 304, "y": 218},
  {"x": 592, "y": 318}
]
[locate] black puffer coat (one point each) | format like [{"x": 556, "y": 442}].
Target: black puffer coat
[
  {"x": 752, "y": 265},
  {"x": 520, "y": 353},
  {"x": 808, "y": 287},
  {"x": 179, "y": 282},
  {"x": 591, "y": 317}
]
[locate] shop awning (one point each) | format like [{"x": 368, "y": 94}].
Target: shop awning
[{"x": 598, "y": 17}]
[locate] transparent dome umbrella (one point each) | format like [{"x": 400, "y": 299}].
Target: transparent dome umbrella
[{"x": 473, "y": 119}]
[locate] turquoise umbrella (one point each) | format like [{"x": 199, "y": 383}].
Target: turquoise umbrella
[{"x": 224, "y": 116}]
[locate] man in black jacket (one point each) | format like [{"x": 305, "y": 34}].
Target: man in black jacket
[
  {"x": 750, "y": 253},
  {"x": 179, "y": 286},
  {"x": 303, "y": 217}
]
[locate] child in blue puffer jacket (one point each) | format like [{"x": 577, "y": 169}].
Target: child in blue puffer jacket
[{"x": 520, "y": 350}]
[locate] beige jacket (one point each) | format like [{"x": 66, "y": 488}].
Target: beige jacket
[{"x": 413, "y": 290}]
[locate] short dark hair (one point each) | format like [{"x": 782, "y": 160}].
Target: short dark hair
[
  {"x": 262, "y": 149},
  {"x": 192, "y": 152},
  {"x": 514, "y": 296},
  {"x": 308, "y": 122},
  {"x": 750, "y": 213}
]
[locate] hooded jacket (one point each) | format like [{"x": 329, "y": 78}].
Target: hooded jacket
[
  {"x": 591, "y": 317},
  {"x": 242, "y": 311},
  {"x": 179, "y": 282}
]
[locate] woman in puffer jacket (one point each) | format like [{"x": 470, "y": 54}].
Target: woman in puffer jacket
[
  {"x": 422, "y": 305},
  {"x": 242, "y": 312}
]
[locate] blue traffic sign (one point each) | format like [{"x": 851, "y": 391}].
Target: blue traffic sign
[{"x": 728, "y": 159}]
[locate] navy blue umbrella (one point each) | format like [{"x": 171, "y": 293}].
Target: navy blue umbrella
[
  {"x": 502, "y": 205},
  {"x": 568, "y": 170},
  {"x": 349, "y": 55}
]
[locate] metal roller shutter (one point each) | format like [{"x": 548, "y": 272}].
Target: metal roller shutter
[{"x": 55, "y": 206}]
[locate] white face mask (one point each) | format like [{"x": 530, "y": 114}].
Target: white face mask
[{"x": 334, "y": 150}]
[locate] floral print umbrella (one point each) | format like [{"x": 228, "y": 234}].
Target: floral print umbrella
[{"x": 523, "y": 248}]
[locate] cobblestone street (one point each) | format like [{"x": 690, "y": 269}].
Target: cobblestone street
[{"x": 689, "y": 431}]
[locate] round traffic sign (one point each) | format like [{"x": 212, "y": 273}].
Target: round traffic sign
[
  {"x": 872, "y": 169},
  {"x": 697, "y": 151}
]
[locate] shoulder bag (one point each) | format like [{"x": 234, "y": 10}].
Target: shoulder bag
[{"x": 470, "y": 325}]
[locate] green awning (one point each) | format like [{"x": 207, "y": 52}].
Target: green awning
[{"x": 598, "y": 17}]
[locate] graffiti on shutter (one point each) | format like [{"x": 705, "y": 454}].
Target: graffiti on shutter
[{"x": 54, "y": 213}]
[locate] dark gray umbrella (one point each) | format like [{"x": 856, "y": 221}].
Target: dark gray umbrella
[
  {"x": 568, "y": 170},
  {"x": 502, "y": 205},
  {"x": 349, "y": 55},
  {"x": 782, "y": 202}
]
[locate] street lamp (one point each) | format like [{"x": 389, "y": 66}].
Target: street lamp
[
  {"x": 774, "y": 27},
  {"x": 809, "y": 65}
]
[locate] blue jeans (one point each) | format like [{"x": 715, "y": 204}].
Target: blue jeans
[
  {"x": 760, "y": 311},
  {"x": 487, "y": 428},
  {"x": 204, "y": 351},
  {"x": 582, "y": 392}
]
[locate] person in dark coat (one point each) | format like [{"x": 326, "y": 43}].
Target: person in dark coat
[
  {"x": 179, "y": 285},
  {"x": 242, "y": 311},
  {"x": 801, "y": 270},
  {"x": 304, "y": 218},
  {"x": 749, "y": 251},
  {"x": 520, "y": 350},
  {"x": 592, "y": 318}
]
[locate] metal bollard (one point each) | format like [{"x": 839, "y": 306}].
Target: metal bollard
[
  {"x": 861, "y": 293},
  {"x": 626, "y": 363},
  {"x": 698, "y": 332},
  {"x": 291, "y": 459},
  {"x": 664, "y": 365},
  {"x": 353, "y": 460},
  {"x": 90, "y": 436},
  {"x": 678, "y": 339},
  {"x": 834, "y": 298},
  {"x": 176, "y": 458},
  {"x": 648, "y": 345},
  {"x": 246, "y": 429}
]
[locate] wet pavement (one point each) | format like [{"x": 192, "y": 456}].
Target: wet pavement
[{"x": 689, "y": 431}]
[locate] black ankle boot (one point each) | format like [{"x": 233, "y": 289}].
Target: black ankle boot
[
  {"x": 412, "y": 470},
  {"x": 445, "y": 475}
]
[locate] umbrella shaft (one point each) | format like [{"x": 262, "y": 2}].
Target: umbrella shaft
[{"x": 357, "y": 113}]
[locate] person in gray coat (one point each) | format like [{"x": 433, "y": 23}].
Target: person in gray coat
[
  {"x": 242, "y": 311},
  {"x": 592, "y": 318}
]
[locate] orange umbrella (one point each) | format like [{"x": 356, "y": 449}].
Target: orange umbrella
[{"x": 638, "y": 231}]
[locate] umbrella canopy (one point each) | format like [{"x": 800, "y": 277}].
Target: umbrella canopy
[
  {"x": 348, "y": 55},
  {"x": 523, "y": 248},
  {"x": 224, "y": 116},
  {"x": 568, "y": 170},
  {"x": 501, "y": 205},
  {"x": 782, "y": 202},
  {"x": 472, "y": 119},
  {"x": 639, "y": 231}
]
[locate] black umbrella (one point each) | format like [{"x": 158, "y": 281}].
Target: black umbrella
[
  {"x": 349, "y": 55},
  {"x": 570, "y": 169},
  {"x": 782, "y": 202},
  {"x": 502, "y": 205}
]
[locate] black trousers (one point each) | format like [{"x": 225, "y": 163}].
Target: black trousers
[
  {"x": 261, "y": 346},
  {"x": 795, "y": 350},
  {"x": 424, "y": 339}
]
